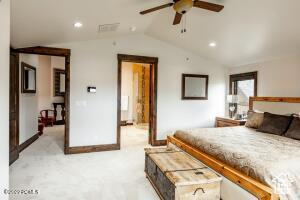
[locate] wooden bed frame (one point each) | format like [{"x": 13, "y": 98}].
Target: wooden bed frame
[{"x": 259, "y": 190}]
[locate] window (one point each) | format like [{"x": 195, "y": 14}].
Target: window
[{"x": 244, "y": 85}]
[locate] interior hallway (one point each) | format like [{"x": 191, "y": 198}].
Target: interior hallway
[{"x": 113, "y": 175}]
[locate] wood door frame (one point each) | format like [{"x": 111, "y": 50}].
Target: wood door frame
[
  {"x": 14, "y": 154},
  {"x": 153, "y": 61},
  {"x": 60, "y": 52}
]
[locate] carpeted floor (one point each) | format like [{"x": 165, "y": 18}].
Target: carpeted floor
[{"x": 113, "y": 175}]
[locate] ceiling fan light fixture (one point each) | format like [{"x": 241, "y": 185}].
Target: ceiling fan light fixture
[{"x": 183, "y": 6}]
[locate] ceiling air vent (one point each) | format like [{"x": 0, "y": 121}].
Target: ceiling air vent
[{"x": 108, "y": 27}]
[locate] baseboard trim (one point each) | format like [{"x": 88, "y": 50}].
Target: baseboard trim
[
  {"x": 28, "y": 142},
  {"x": 90, "y": 149},
  {"x": 160, "y": 143},
  {"x": 13, "y": 155}
]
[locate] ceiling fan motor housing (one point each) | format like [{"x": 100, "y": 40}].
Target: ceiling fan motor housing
[{"x": 183, "y": 6}]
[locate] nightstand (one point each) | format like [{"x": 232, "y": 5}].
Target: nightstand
[{"x": 226, "y": 121}]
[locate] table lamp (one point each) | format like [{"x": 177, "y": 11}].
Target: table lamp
[{"x": 232, "y": 100}]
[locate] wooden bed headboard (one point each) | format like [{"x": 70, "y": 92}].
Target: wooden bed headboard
[{"x": 295, "y": 101}]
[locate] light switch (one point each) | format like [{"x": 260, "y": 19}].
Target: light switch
[{"x": 91, "y": 89}]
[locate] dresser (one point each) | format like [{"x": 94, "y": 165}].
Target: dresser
[{"x": 226, "y": 122}]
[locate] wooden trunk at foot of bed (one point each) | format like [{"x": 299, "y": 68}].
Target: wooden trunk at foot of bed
[
  {"x": 259, "y": 190},
  {"x": 176, "y": 175}
]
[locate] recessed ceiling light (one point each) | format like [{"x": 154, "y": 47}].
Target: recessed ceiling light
[
  {"x": 212, "y": 44},
  {"x": 77, "y": 24},
  {"x": 133, "y": 28}
]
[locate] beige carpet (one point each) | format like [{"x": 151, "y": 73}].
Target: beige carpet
[{"x": 114, "y": 175}]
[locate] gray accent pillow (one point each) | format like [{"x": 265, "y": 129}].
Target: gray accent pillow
[
  {"x": 275, "y": 124},
  {"x": 254, "y": 120},
  {"x": 294, "y": 130}
]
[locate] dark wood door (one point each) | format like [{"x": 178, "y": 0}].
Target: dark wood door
[{"x": 14, "y": 108}]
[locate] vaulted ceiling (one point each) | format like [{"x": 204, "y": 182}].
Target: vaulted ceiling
[{"x": 245, "y": 31}]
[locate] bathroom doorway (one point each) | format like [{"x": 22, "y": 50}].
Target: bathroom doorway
[
  {"x": 137, "y": 106},
  {"x": 135, "y": 103}
]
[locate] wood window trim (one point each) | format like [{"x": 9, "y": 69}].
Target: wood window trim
[
  {"x": 153, "y": 61},
  {"x": 243, "y": 77}
]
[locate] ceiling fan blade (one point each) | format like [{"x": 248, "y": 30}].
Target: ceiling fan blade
[
  {"x": 156, "y": 8},
  {"x": 177, "y": 18},
  {"x": 208, "y": 6}
]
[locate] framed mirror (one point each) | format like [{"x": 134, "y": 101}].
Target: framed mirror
[
  {"x": 28, "y": 78},
  {"x": 194, "y": 87},
  {"x": 59, "y": 82}
]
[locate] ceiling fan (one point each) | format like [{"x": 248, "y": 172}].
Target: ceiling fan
[{"x": 183, "y": 6}]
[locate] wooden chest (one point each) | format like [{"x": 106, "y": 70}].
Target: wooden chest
[{"x": 177, "y": 176}]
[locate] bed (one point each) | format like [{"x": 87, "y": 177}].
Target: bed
[{"x": 246, "y": 157}]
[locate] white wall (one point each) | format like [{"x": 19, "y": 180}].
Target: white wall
[
  {"x": 277, "y": 77},
  {"x": 28, "y": 104},
  {"x": 4, "y": 97},
  {"x": 93, "y": 118},
  {"x": 127, "y": 89},
  {"x": 44, "y": 83}
]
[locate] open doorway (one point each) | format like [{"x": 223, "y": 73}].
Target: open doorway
[
  {"x": 135, "y": 103},
  {"x": 50, "y": 94},
  {"x": 39, "y": 96},
  {"x": 143, "y": 111}
]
